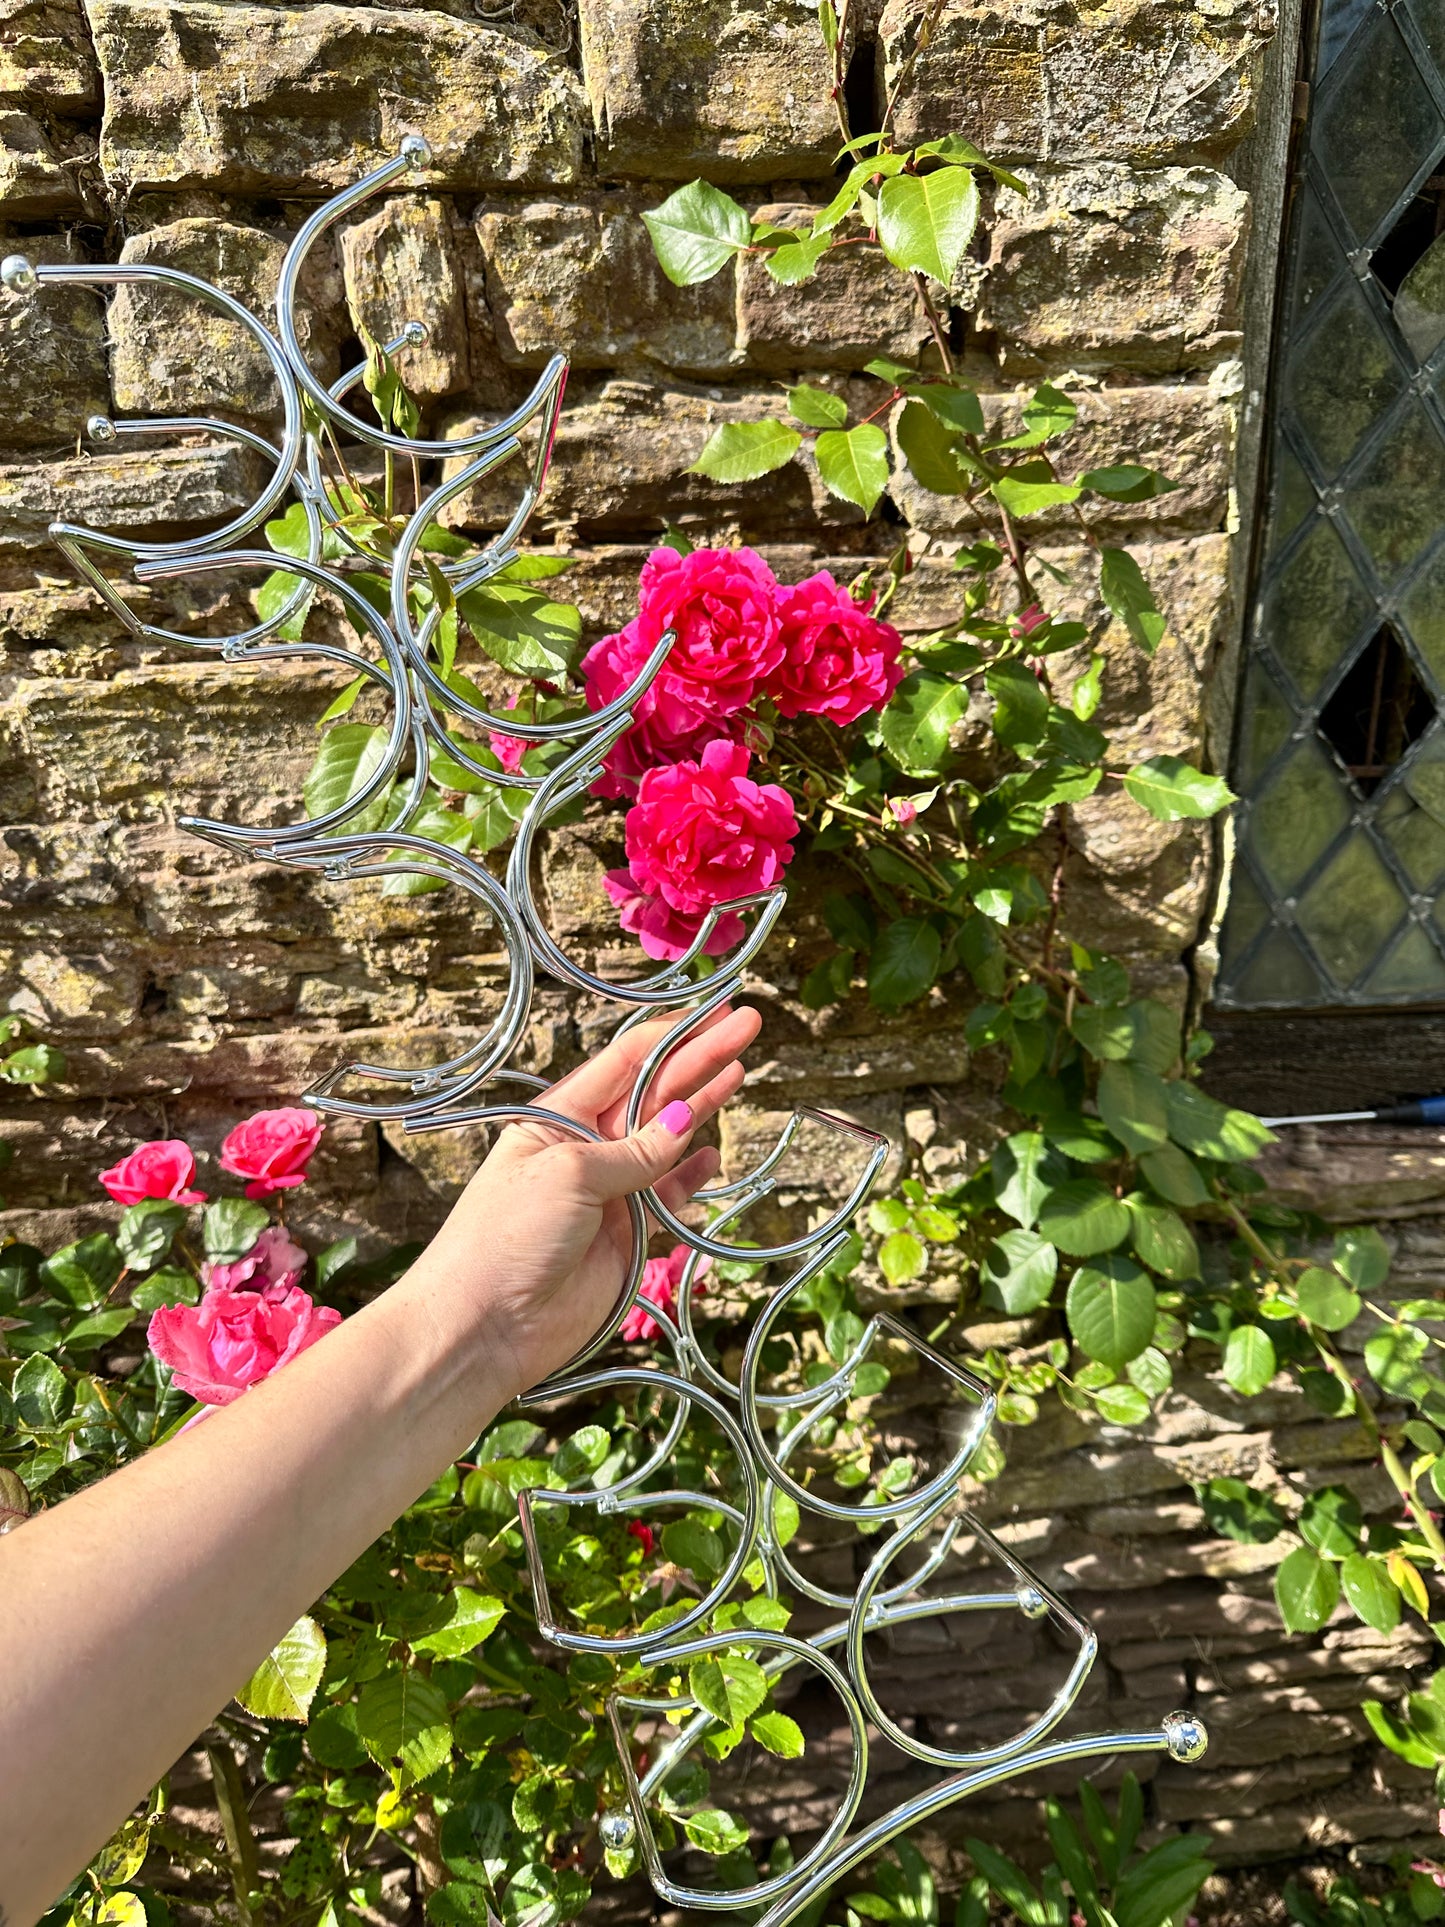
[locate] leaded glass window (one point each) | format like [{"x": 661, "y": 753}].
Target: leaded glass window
[{"x": 1338, "y": 892}]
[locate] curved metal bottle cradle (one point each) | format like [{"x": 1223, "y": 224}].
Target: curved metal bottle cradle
[{"x": 765, "y": 1423}]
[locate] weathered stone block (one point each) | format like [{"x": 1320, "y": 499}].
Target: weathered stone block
[
  {"x": 52, "y": 354},
  {"x": 855, "y": 307},
  {"x": 1105, "y": 267},
  {"x": 619, "y": 461},
  {"x": 171, "y": 354},
  {"x": 400, "y": 264},
  {"x": 582, "y": 277},
  {"x": 1138, "y": 80},
  {"x": 265, "y": 100},
  {"x": 45, "y": 57},
  {"x": 167, "y": 489},
  {"x": 36, "y": 184},
  {"x": 733, "y": 89},
  {"x": 1185, "y": 432}
]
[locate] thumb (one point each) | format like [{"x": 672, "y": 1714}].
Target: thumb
[{"x": 625, "y": 1164}]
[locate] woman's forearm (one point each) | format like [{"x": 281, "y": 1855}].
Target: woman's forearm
[{"x": 130, "y": 1614}]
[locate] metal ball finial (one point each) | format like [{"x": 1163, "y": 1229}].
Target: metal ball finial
[
  {"x": 1187, "y": 1737},
  {"x": 415, "y": 333},
  {"x": 616, "y": 1830},
  {"x": 1032, "y": 1603},
  {"x": 18, "y": 274},
  {"x": 416, "y": 152},
  {"x": 100, "y": 428}
]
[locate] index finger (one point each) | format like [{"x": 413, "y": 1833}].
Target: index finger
[{"x": 589, "y": 1090}]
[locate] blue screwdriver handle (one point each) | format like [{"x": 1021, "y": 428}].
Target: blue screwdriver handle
[{"x": 1424, "y": 1110}]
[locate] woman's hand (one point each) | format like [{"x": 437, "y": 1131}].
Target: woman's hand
[{"x": 541, "y": 1238}]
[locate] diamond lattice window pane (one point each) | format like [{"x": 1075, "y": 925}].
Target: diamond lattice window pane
[
  {"x": 1429, "y": 17},
  {"x": 1343, "y": 378},
  {"x": 1413, "y": 968},
  {"x": 1313, "y": 615},
  {"x": 1265, "y": 725},
  {"x": 1377, "y": 125},
  {"x": 1396, "y": 503},
  {"x": 1297, "y": 816},
  {"x": 1279, "y": 973},
  {"x": 1351, "y": 910},
  {"x": 1415, "y": 836},
  {"x": 1291, "y": 499},
  {"x": 1378, "y": 709},
  {"x": 1247, "y": 914},
  {"x": 1319, "y": 258}
]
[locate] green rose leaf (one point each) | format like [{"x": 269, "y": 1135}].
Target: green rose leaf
[
  {"x": 402, "y": 1721},
  {"x": 1237, "y": 1511},
  {"x": 796, "y": 260},
  {"x": 1128, "y": 596},
  {"x": 715, "y": 1832},
  {"x": 349, "y": 758},
  {"x": 40, "y": 1394},
  {"x": 925, "y": 221},
  {"x": 1127, "y": 482},
  {"x": 168, "y": 1286},
  {"x": 742, "y": 451},
  {"x": 1162, "y": 1240},
  {"x": 1174, "y": 1176},
  {"x": 35, "y": 1064},
  {"x": 1211, "y": 1129},
  {"x": 1018, "y": 1272},
  {"x": 854, "y": 463},
  {"x": 904, "y": 963},
  {"x": 521, "y": 629},
  {"x": 728, "y": 1686},
  {"x": 690, "y": 1543},
  {"x": 1021, "y": 704},
  {"x": 1306, "y": 1590},
  {"x": 1111, "y": 1310},
  {"x": 1082, "y": 1217},
  {"x": 1249, "y": 1359},
  {"x": 466, "y": 1618},
  {"x": 1171, "y": 789},
  {"x": 144, "y": 1234},
  {"x": 1326, "y": 1300},
  {"x": 696, "y": 231},
  {"x": 284, "y": 1684},
  {"x": 1133, "y": 1102},
  {"x": 1122, "y": 1404},
  {"x": 816, "y": 408},
  {"x": 1393, "y": 1357},
  {"x": 927, "y": 445},
  {"x": 1025, "y": 1169},
  {"x": 916, "y": 722},
  {"x": 1030, "y": 487},
  {"x": 778, "y": 1734},
  {"x": 82, "y": 1274},
  {"x": 1331, "y": 1522},
  {"x": 1363, "y": 1256},
  {"x": 231, "y": 1226},
  {"x": 901, "y": 1258}
]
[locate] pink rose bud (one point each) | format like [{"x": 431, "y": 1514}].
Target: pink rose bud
[
  {"x": 161, "y": 1169},
  {"x": 233, "y": 1339},
  {"x": 1027, "y": 620},
  {"x": 272, "y": 1149},
  {"x": 645, "y": 1534},
  {"x": 274, "y": 1259},
  {"x": 903, "y": 810}
]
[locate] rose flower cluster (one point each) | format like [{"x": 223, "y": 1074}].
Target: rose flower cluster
[{"x": 701, "y": 831}]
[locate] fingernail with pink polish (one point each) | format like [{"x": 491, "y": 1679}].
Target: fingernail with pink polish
[{"x": 676, "y": 1117}]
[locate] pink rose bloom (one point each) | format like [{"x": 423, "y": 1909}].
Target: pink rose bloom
[
  {"x": 661, "y": 1278},
  {"x": 903, "y": 810},
  {"x": 272, "y": 1149},
  {"x": 274, "y": 1259},
  {"x": 161, "y": 1169},
  {"x": 508, "y": 750},
  {"x": 839, "y": 661},
  {"x": 705, "y": 833},
  {"x": 721, "y": 603},
  {"x": 663, "y": 932},
  {"x": 234, "y": 1339}
]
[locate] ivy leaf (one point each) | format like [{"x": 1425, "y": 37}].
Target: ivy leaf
[
  {"x": 1111, "y": 1310},
  {"x": 1249, "y": 1359},
  {"x": 928, "y": 448},
  {"x": 815, "y": 407},
  {"x": 696, "y": 231},
  {"x": 1306, "y": 1590},
  {"x": 1171, "y": 789},
  {"x": 728, "y": 1686},
  {"x": 778, "y": 1734},
  {"x": 1083, "y": 1217},
  {"x": 916, "y": 723},
  {"x": 284, "y": 1684},
  {"x": 402, "y": 1721},
  {"x": 1326, "y": 1300},
  {"x": 925, "y": 221},
  {"x": 1128, "y": 596},
  {"x": 854, "y": 463},
  {"x": 904, "y": 963},
  {"x": 742, "y": 451},
  {"x": 1371, "y": 1596},
  {"x": 349, "y": 757},
  {"x": 1133, "y": 1103},
  {"x": 1018, "y": 1272}
]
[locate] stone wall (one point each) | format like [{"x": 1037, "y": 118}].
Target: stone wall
[{"x": 187, "y": 987}]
